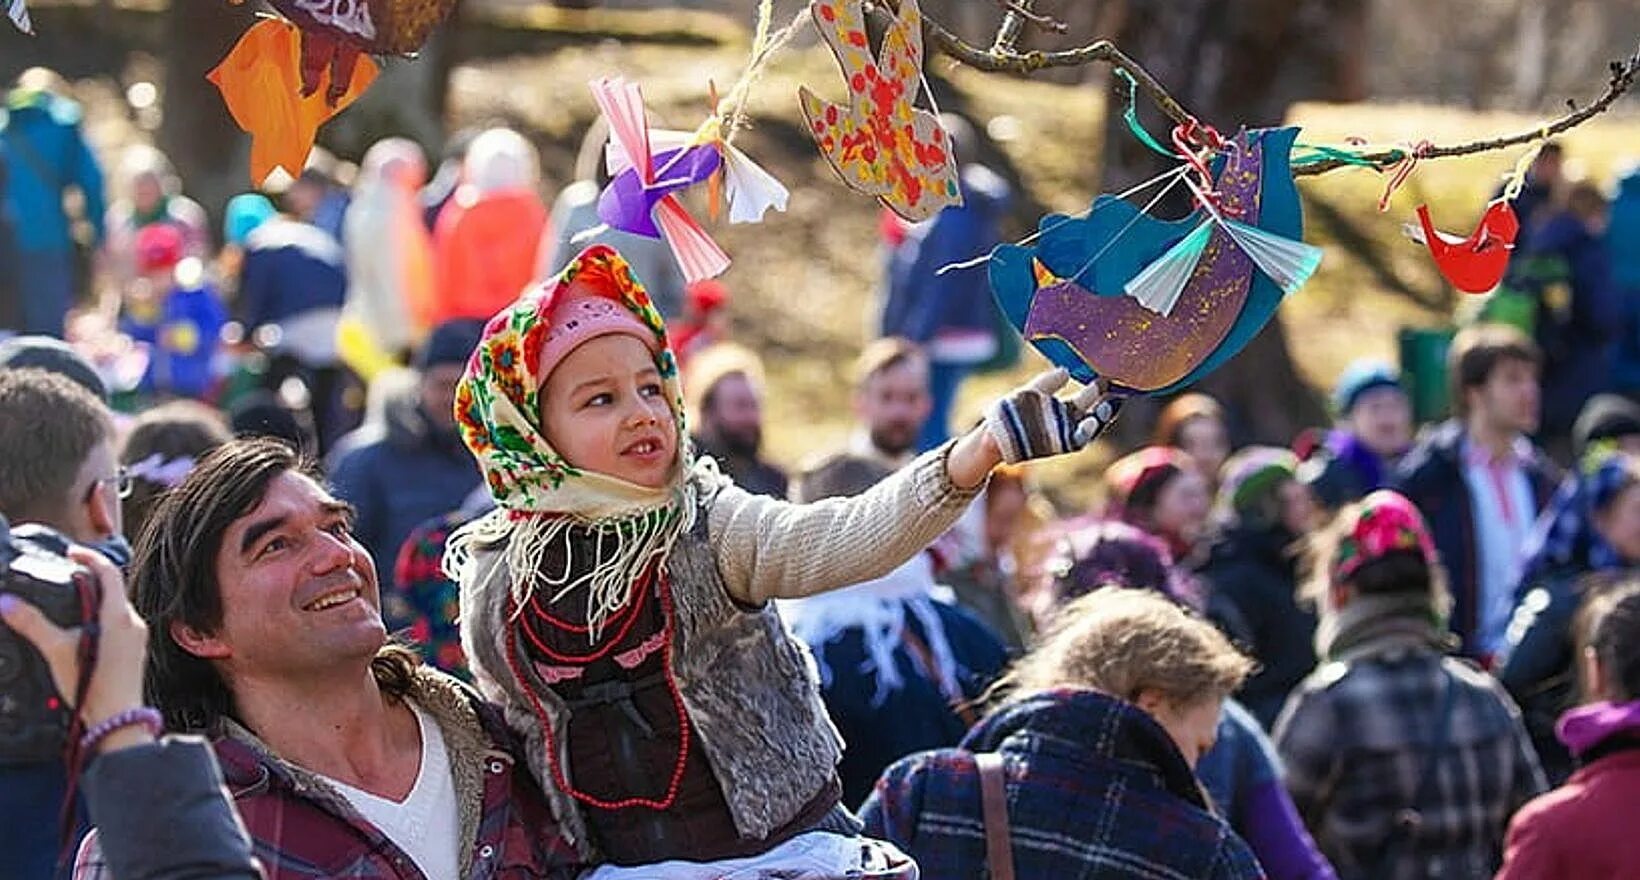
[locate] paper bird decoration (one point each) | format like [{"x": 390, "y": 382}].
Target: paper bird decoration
[
  {"x": 259, "y": 83},
  {"x": 1154, "y": 305},
  {"x": 880, "y": 144},
  {"x": 1475, "y": 264},
  {"x": 271, "y": 88},
  {"x": 648, "y": 167},
  {"x": 18, "y": 11}
]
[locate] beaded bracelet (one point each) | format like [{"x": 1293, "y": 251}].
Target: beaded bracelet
[{"x": 144, "y": 715}]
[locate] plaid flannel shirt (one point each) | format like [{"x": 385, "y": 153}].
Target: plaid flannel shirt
[
  {"x": 302, "y": 829},
  {"x": 1095, "y": 789},
  {"x": 1355, "y": 740}
]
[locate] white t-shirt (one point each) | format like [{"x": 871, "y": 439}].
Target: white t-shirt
[{"x": 425, "y": 824}]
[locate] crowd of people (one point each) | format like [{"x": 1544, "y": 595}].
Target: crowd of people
[{"x": 433, "y": 536}]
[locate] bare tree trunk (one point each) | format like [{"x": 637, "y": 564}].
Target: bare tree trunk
[
  {"x": 197, "y": 133},
  {"x": 1238, "y": 62}
]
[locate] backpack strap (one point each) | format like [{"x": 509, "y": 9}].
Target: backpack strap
[{"x": 999, "y": 848}]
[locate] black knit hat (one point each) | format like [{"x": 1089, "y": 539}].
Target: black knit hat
[
  {"x": 54, "y": 356},
  {"x": 1604, "y": 417}
]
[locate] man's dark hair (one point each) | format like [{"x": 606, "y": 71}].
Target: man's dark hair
[
  {"x": 1477, "y": 351},
  {"x": 173, "y": 579},
  {"x": 48, "y": 427}
]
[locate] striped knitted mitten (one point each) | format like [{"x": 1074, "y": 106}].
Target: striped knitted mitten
[{"x": 1032, "y": 423}]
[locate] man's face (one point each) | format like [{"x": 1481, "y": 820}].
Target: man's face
[
  {"x": 735, "y": 418},
  {"x": 1382, "y": 420},
  {"x": 299, "y": 594},
  {"x": 893, "y": 406},
  {"x": 1508, "y": 401},
  {"x": 438, "y": 394},
  {"x": 146, "y": 193}
]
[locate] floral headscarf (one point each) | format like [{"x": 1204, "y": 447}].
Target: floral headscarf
[
  {"x": 539, "y": 494},
  {"x": 1385, "y": 522}
]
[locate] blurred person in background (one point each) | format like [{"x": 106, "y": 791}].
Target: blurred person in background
[
  {"x": 1195, "y": 423},
  {"x": 160, "y": 449},
  {"x": 446, "y": 178},
  {"x": 151, "y": 194},
  {"x": 1623, "y": 246},
  {"x": 317, "y": 197},
  {"x": 292, "y": 284},
  {"x": 1591, "y": 540},
  {"x": 1403, "y": 761},
  {"x": 491, "y": 238},
  {"x": 410, "y": 464},
  {"x": 47, "y": 155},
  {"x": 1240, "y": 770},
  {"x": 727, "y": 386},
  {"x": 389, "y": 251},
  {"x": 1096, "y": 734},
  {"x": 983, "y": 555},
  {"x": 890, "y": 403},
  {"x": 1544, "y": 181},
  {"x": 705, "y": 319},
  {"x": 897, "y": 665},
  {"x": 951, "y": 315},
  {"x": 1566, "y": 271},
  {"x": 170, "y": 307},
  {"x": 1480, "y": 482},
  {"x": 1374, "y": 430},
  {"x": 1251, "y": 574},
  {"x": 1585, "y": 829},
  {"x": 1162, "y": 491}
]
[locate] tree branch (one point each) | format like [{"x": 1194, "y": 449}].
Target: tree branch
[
  {"x": 1622, "y": 78},
  {"x": 1003, "y": 58}
]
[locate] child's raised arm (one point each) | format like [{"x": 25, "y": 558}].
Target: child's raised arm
[{"x": 770, "y": 549}]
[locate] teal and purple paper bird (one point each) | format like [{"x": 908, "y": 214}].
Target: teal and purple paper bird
[{"x": 1153, "y": 305}]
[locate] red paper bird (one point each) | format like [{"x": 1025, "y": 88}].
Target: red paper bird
[{"x": 1474, "y": 264}]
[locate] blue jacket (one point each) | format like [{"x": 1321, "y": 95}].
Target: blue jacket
[
  {"x": 398, "y": 475},
  {"x": 1623, "y": 245},
  {"x": 41, "y": 137},
  {"x": 1242, "y": 773},
  {"x": 183, "y": 340},
  {"x": 920, "y": 302},
  {"x": 914, "y": 717},
  {"x": 1096, "y": 788},
  {"x": 289, "y": 268},
  {"x": 1431, "y": 477}
]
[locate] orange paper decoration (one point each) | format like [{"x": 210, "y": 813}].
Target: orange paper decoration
[
  {"x": 880, "y": 144},
  {"x": 261, "y": 82}
]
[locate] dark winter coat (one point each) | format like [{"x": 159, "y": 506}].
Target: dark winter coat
[
  {"x": 398, "y": 474},
  {"x": 1253, "y": 581},
  {"x": 1431, "y": 476},
  {"x": 1096, "y": 788}
]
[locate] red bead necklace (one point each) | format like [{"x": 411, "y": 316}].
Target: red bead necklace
[{"x": 555, "y": 767}]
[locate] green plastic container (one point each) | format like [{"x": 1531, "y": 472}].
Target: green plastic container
[{"x": 1423, "y": 370}]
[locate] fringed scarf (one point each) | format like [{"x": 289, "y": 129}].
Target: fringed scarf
[{"x": 542, "y": 500}]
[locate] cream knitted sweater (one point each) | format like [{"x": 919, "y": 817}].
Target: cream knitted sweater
[{"x": 771, "y": 549}]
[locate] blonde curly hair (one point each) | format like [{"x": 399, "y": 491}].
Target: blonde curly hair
[{"x": 1122, "y": 642}]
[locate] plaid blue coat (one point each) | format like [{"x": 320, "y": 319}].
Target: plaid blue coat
[{"x": 1095, "y": 789}]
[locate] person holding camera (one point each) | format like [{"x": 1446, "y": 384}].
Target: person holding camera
[
  {"x": 158, "y": 804},
  {"x": 57, "y": 470}
]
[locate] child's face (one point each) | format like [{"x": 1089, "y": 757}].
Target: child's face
[{"x": 605, "y": 410}]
